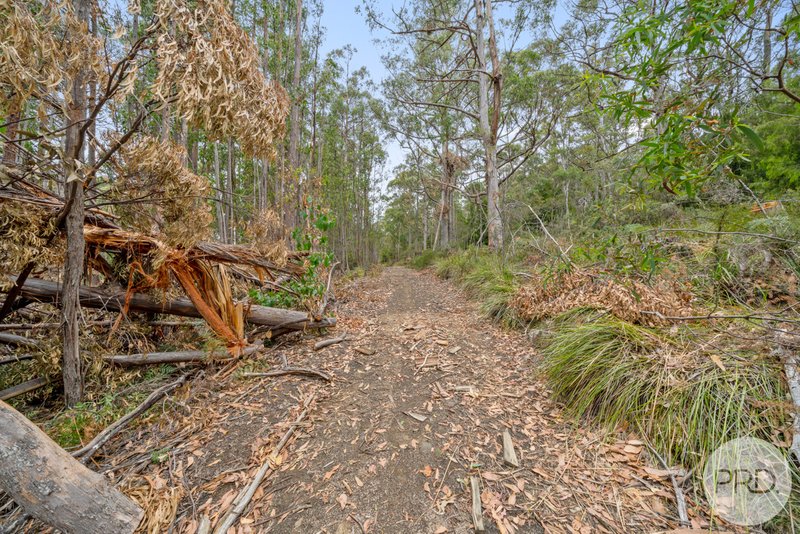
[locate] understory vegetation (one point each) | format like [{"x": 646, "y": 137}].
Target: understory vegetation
[{"x": 619, "y": 309}]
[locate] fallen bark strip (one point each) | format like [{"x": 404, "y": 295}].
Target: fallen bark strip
[
  {"x": 246, "y": 495},
  {"x": 15, "y": 359},
  {"x": 293, "y": 371},
  {"x": 53, "y": 487},
  {"x": 328, "y": 342},
  {"x": 477, "y": 511},
  {"x": 20, "y": 341},
  {"x": 151, "y": 358},
  {"x": 91, "y": 297},
  {"x": 25, "y": 387},
  {"x": 90, "y": 449}
]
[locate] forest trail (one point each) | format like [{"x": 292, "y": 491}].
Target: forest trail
[
  {"x": 367, "y": 462},
  {"x": 422, "y": 391}
]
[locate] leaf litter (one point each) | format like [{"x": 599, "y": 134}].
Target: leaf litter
[{"x": 360, "y": 463}]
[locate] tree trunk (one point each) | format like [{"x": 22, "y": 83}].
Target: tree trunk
[
  {"x": 73, "y": 264},
  {"x": 294, "y": 133},
  {"x": 222, "y": 221},
  {"x": 230, "y": 190},
  {"x": 489, "y": 131},
  {"x": 55, "y": 488}
]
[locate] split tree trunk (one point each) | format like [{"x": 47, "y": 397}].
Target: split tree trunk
[{"x": 55, "y": 488}]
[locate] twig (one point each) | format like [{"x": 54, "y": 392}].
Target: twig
[
  {"x": 709, "y": 232},
  {"x": 679, "y": 497},
  {"x": 328, "y": 342},
  {"x": 324, "y": 305},
  {"x": 564, "y": 256},
  {"x": 758, "y": 202},
  {"x": 246, "y": 495},
  {"x": 85, "y": 453},
  {"x": 358, "y": 522},
  {"x": 711, "y": 316}
]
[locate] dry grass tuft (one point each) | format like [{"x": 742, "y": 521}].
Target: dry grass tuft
[{"x": 626, "y": 299}]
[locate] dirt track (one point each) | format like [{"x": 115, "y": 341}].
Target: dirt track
[{"x": 421, "y": 394}]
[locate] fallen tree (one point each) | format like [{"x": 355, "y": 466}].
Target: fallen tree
[
  {"x": 53, "y": 487},
  {"x": 91, "y": 297}
]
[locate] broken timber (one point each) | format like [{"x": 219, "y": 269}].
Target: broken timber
[
  {"x": 91, "y": 297},
  {"x": 55, "y": 488}
]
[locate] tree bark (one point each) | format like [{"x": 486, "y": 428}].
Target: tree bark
[
  {"x": 55, "y": 488},
  {"x": 47, "y": 291},
  {"x": 73, "y": 264},
  {"x": 489, "y": 131}
]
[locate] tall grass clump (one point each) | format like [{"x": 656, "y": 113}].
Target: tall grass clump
[
  {"x": 684, "y": 403},
  {"x": 487, "y": 278},
  {"x": 425, "y": 259}
]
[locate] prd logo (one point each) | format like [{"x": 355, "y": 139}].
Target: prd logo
[{"x": 747, "y": 481}]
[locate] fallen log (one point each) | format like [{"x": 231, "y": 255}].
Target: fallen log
[
  {"x": 55, "y": 488},
  {"x": 86, "y": 452},
  {"x": 25, "y": 387},
  {"x": 114, "y": 300},
  {"x": 182, "y": 356}
]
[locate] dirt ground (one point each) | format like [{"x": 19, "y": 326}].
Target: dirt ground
[{"x": 422, "y": 391}]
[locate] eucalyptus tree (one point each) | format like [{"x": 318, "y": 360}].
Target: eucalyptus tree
[
  {"x": 469, "y": 85},
  {"x": 677, "y": 77}
]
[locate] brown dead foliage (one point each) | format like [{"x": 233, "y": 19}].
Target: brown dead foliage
[
  {"x": 211, "y": 68},
  {"x": 628, "y": 299},
  {"x": 170, "y": 200}
]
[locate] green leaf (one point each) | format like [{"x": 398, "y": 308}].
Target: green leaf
[{"x": 751, "y": 135}]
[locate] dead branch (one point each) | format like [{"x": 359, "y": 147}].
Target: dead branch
[
  {"x": 15, "y": 358},
  {"x": 196, "y": 356},
  {"x": 25, "y": 387},
  {"x": 325, "y": 299},
  {"x": 20, "y": 341},
  {"x": 246, "y": 495},
  {"x": 53, "y": 487},
  {"x": 110, "y": 300},
  {"x": 86, "y": 452},
  {"x": 293, "y": 371}
]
